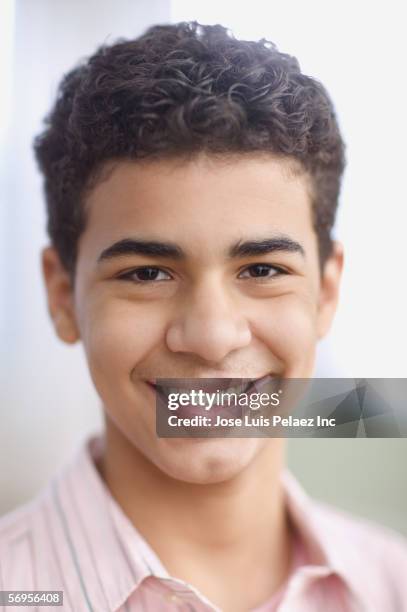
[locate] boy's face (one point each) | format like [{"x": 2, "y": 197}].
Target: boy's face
[{"x": 202, "y": 306}]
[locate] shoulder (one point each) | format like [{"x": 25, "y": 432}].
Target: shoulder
[
  {"x": 28, "y": 544},
  {"x": 373, "y": 557},
  {"x": 18, "y": 530},
  {"x": 16, "y": 547},
  {"x": 39, "y": 532},
  {"x": 359, "y": 529}
]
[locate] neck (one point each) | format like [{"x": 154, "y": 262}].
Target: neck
[{"x": 240, "y": 524}]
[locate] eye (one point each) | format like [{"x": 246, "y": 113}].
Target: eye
[
  {"x": 146, "y": 274},
  {"x": 261, "y": 271}
]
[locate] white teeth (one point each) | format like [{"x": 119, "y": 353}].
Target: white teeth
[{"x": 236, "y": 389}]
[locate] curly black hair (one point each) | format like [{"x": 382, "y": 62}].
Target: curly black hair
[{"x": 178, "y": 90}]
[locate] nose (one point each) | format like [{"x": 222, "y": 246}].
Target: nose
[{"x": 210, "y": 324}]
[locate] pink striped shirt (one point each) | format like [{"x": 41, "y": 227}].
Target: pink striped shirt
[{"x": 75, "y": 538}]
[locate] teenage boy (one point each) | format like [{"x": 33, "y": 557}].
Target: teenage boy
[{"x": 191, "y": 182}]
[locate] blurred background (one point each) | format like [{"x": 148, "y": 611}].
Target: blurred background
[{"x": 47, "y": 402}]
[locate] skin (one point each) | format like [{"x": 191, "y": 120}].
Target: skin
[{"x": 206, "y": 315}]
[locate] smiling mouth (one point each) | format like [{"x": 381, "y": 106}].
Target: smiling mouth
[{"x": 210, "y": 385}]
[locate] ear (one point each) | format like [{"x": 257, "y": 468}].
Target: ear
[
  {"x": 59, "y": 296},
  {"x": 329, "y": 290}
]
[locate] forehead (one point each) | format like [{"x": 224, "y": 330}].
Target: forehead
[{"x": 201, "y": 203}]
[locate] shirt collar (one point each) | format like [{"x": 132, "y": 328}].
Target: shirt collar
[{"x": 323, "y": 532}]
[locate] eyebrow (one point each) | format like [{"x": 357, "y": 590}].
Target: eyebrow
[
  {"x": 152, "y": 248},
  {"x": 169, "y": 250},
  {"x": 267, "y": 245}
]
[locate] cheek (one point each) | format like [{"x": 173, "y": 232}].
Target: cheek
[
  {"x": 117, "y": 336},
  {"x": 288, "y": 328}
]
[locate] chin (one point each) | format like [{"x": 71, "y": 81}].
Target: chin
[{"x": 206, "y": 461}]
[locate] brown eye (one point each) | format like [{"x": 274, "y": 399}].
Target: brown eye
[
  {"x": 146, "y": 274},
  {"x": 261, "y": 271}
]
